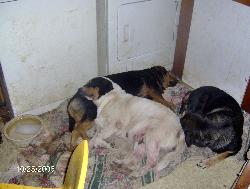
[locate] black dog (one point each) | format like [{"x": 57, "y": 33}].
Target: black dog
[
  {"x": 149, "y": 83},
  {"x": 212, "y": 119}
]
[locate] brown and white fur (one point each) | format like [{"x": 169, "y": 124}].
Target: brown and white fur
[
  {"x": 150, "y": 126},
  {"x": 149, "y": 83}
]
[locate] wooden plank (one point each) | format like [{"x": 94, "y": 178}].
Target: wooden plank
[
  {"x": 7, "y": 110},
  {"x": 182, "y": 37},
  {"x": 245, "y": 2},
  {"x": 246, "y": 99},
  {"x": 244, "y": 179}
]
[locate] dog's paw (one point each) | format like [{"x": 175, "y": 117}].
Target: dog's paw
[{"x": 202, "y": 164}]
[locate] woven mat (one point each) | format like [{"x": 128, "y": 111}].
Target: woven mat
[{"x": 102, "y": 172}]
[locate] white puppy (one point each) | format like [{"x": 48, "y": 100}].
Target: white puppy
[{"x": 152, "y": 127}]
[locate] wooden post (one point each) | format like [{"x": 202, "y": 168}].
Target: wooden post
[
  {"x": 182, "y": 37},
  {"x": 246, "y": 99}
]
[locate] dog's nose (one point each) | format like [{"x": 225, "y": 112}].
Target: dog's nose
[{"x": 172, "y": 83}]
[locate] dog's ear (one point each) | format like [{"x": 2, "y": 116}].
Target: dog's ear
[
  {"x": 75, "y": 111},
  {"x": 189, "y": 122},
  {"x": 187, "y": 125},
  {"x": 187, "y": 132},
  {"x": 71, "y": 123},
  {"x": 69, "y": 111}
]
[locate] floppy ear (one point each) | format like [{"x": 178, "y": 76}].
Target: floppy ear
[
  {"x": 71, "y": 119},
  {"x": 188, "y": 134},
  {"x": 71, "y": 123},
  {"x": 187, "y": 125}
]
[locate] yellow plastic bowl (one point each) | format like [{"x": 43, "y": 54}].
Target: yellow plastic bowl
[{"x": 21, "y": 130}]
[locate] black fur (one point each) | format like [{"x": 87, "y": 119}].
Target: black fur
[
  {"x": 1, "y": 140},
  {"x": 131, "y": 82},
  {"x": 102, "y": 84},
  {"x": 212, "y": 119},
  {"x": 85, "y": 105}
]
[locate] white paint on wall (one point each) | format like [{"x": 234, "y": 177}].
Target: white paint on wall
[
  {"x": 218, "y": 51},
  {"x": 137, "y": 34},
  {"x": 47, "y": 50}
]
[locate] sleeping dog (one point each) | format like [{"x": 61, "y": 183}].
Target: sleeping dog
[
  {"x": 213, "y": 119},
  {"x": 149, "y": 83},
  {"x": 150, "y": 126}
]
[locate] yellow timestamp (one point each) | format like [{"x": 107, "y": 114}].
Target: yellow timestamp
[{"x": 36, "y": 169}]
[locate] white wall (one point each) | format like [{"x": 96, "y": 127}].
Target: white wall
[
  {"x": 47, "y": 49},
  {"x": 218, "y": 51},
  {"x": 137, "y": 34}
]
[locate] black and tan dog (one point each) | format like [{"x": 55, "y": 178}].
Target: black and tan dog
[
  {"x": 213, "y": 119},
  {"x": 149, "y": 83}
]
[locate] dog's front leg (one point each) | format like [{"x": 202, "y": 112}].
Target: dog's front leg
[
  {"x": 159, "y": 98},
  {"x": 99, "y": 139},
  {"x": 213, "y": 160}
]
